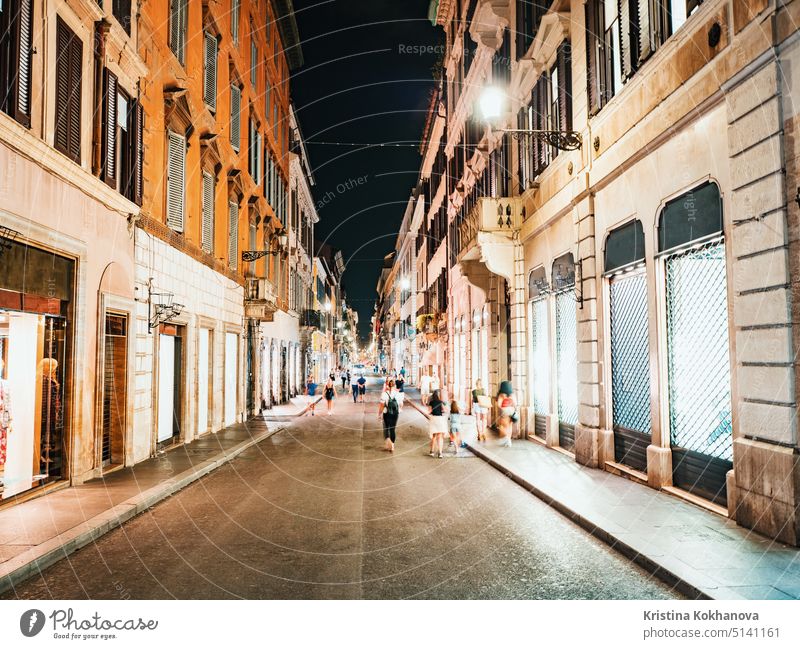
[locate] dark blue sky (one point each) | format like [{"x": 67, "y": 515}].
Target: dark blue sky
[{"x": 366, "y": 78}]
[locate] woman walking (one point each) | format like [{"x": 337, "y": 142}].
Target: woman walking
[
  {"x": 437, "y": 426},
  {"x": 455, "y": 425},
  {"x": 480, "y": 407},
  {"x": 330, "y": 393},
  {"x": 507, "y": 407},
  {"x": 389, "y": 410}
]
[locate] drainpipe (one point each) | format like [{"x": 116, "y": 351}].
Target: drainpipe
[{"x": 100, "y": 35}]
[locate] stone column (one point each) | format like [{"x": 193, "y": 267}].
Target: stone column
[
  {"x": 763, "y": 486},
  {"x": 587, "y": 432}
]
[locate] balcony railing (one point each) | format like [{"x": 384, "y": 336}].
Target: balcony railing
[{"x": 260, "y": 302}]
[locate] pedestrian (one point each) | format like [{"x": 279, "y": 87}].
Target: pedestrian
[
  {"x": 389, "y": 410},
  {"x": 507, "y": 407},
  {"x": 311, "y": 394},
  {"x": 480, "y": 408},
  {"x": 343, "y": 377},
  {"x": 425, "y": 388},
  {"x": 330, "y": 393},
  {"x": 400, "y": 382},
  {"x": 403, "y": 373},
  {"x": 362, "y": 387},
  {"x": 354, "y": 388},
  {"x": 455, "y": 425},
  {"x": 437, "y": 425}
]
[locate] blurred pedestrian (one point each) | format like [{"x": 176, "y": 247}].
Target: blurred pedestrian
[
  {"x": 425, "y": 387},
  {"x": 507, "y": 409},
  {"x": 362, "y": 387},
  {"x": 437, "y": 425},
  {"x": 311, "y": 394},
  {"x": 354, "y": 388},
  {"x": 455, "y": 425},
  {"x": 343, "y": 377},
  {"x": 330, "y": 393},
  {"x": 480, "y": 408}
]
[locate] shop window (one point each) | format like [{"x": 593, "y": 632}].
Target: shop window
[
  {"x": 695, "y": 215},
  {"x": 69, "y": 68},
  {"x": 16, "y": 49},
  {"x": 566, "y": 348}
]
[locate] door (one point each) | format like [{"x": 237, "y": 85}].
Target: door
[
  {"x": 567, "y": 367},
  {"x": 630, "y": 370},
  {"x": 701, "y": 431},
  {"x": 203, "y": 380},
  {"x": 231, "y": 346},
  {"x": 115, "y": 371},
  {"x": 166, "y": 387}
]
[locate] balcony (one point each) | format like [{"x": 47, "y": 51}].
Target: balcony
[
  {"x": 260, "y": 302},
  {"x": 487, "y": 238}
]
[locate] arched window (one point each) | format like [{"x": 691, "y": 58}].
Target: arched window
[
  {"x": 695, "y": 215},
  {"x": 537, "y": 283},
  {"x": 564, "y": 272},
  {"x": 624, "y": 246}
]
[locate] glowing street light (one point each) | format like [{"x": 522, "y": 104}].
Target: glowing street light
[{"x": 491, "y": 102}]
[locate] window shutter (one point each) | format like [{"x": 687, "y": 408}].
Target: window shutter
[
  {"x": 175, "y": 27},
  {"x": 253, "y": 60},
  {"x": 138, "y": 153},
  {"x": 23, "y": 80},
  {"x": 236, "y": 100},
  {"x": 110, "y": 128},
  {"x": 235, "y": 20},
  {"x": 251, "y": 147},
  {"x": 69, "y": 54},
  {"x": 210, "y": 77},
  {"x": 628, "y": 37},
  {"x": 259, "y": 157},
  {"x": 233, "y": 234},
  {"x": 646, "y": 45},
  {"x": 207, "y": 233},
  {"x": 565, "y": 86},
  {"x": 593, "y": 39},
  {"x": 176, "y": 162}
]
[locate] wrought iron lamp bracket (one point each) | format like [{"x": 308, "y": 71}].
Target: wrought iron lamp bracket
[
  {"x": 561, "y": 140},
  {"x": 162, "y": 310}
]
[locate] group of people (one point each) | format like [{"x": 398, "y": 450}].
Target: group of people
[{"x": 358, "y": 386}]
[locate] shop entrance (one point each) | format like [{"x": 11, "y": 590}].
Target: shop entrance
[
  {"x": 231, "y": 347},
  {"x": 566, "y": 349},
  {"x": 115, "y": 369},
  {"x": 170, "y": 392}
]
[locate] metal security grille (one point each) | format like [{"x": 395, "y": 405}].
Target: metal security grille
[
  {"x": 697, "y": 350},
  {"x": 540, "y": 360},
  {"x": 630, "y": 379},
  {"x": 567, "y": 357}
]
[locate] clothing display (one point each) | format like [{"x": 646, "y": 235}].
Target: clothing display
[
  {"x": 51, "y": 426},
  {"x": 5, "y": 418}
]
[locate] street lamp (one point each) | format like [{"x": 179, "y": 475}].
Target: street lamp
[
  {"x": 328, "y": 306},
  {"x": 253, "y": 255},
  {"x": 405, "y": 283},
  {"x": 492, "y": 104}
]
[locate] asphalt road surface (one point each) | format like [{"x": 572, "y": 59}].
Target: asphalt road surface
[{"x": 320, "y": 510}]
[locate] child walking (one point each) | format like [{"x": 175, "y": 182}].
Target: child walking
[{"x": 455, "y": 425}]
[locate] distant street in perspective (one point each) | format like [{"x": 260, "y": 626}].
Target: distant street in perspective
[{"x": 320, "y": 510}]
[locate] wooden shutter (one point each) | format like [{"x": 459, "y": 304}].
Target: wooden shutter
[
  {"x": 22, "y": 110},
  {"x": 628, "y": 36},
  {"x": 138, "y": 152},
  {"x": 235, "y": 20},
  {"x": 253, "y": 60},
  {"x": 210, "y": 55},
  {"x": 176, "y": 173},
  {"x": 175, "y": 28},
  {"x": 69, "y": 55},
  {"x": 564, "y": 61},
  {"x": 251, "y": 147},
  {"x": 233, "y": 233},
  {"x": 109, "y": 168},
  {"x": 207, "y": 233},
  {"x": 646, "y": 45},
  {"x": 593, "y": 39},
  {"x": 236, "y": 101},
  {"x": 259, "y": 157}
]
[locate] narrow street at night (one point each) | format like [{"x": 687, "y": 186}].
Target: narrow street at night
[{"x": 320, "y": 510}]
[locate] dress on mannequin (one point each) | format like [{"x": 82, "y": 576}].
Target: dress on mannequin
[{"x": 5, "y": 421}]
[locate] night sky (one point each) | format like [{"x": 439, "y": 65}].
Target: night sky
[{"x": 366, "y": 77}]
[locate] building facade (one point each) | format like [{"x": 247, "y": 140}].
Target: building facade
[
  {"x": 70, "y": 190},
  {"x": 615, "y": 240}
]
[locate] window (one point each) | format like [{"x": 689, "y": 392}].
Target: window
[
  {"x": 236, "y": 101},
  {"x": 233, "y": 234},
  {"x": 177, "y": 28},
  {"x": 235, "y": 20},
  {"x": 210, "y": 52},
  {"x": 207, "y": 233},
  {"x": 122, "y": 12},
  {"x": 621, "y": 35},
  {"x": 69, "y": 66},
  {"x": 15, "y": 59},
  {"x": 122, "y": 140},
  {"x": 275, "y": 121},
  {"x": 255, "y": 152},
  {"x": 176, "y": 174},
  {"x": 529, "y": 14},
  {"x": 267, "y": 97}
]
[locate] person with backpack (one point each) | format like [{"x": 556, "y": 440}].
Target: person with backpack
[
  {"x": 389, "y": 410},
  {"x": 437, "y": 424}
]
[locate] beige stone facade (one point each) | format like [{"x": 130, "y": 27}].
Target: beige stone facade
[{"x": 637, "y": 288}]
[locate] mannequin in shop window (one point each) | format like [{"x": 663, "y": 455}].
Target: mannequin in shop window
[
  {"x": 5, "y": 421},
  {"x": 51, "y": 415}
]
